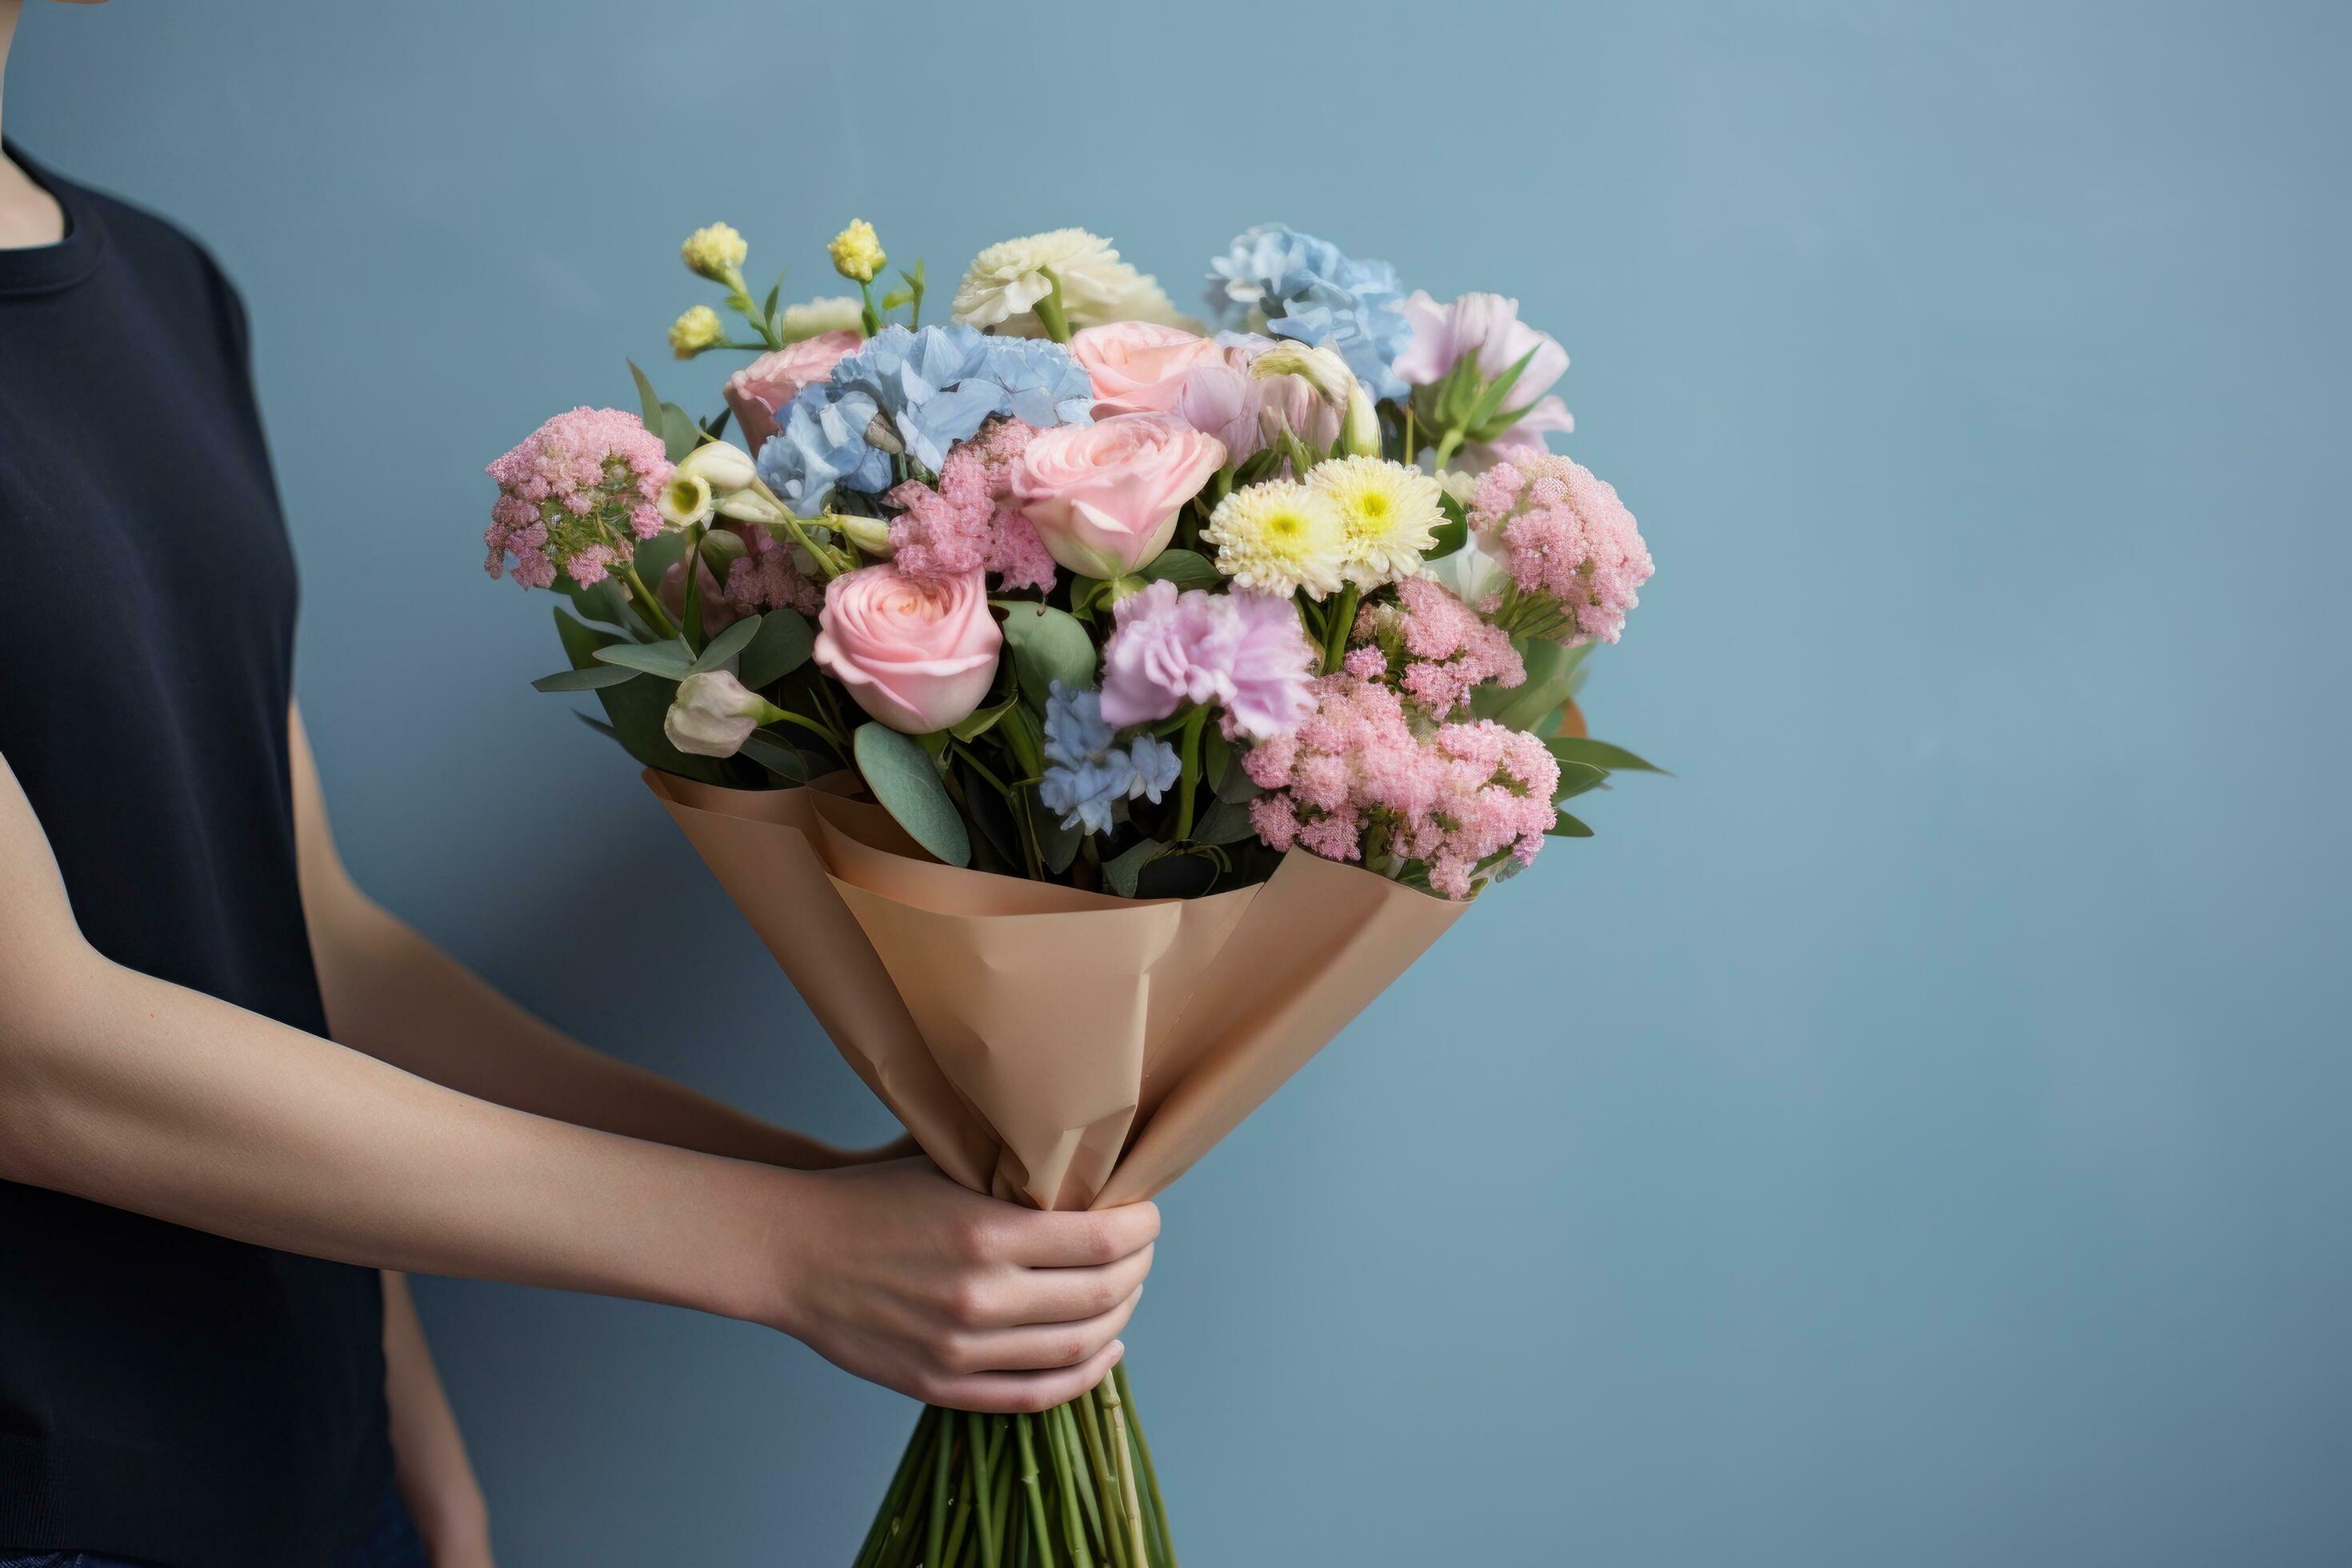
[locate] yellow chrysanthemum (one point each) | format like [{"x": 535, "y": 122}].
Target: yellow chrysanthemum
[
  {"x": 699, "y": 329},
  {"x": 856, "y": 252},
  {"x": 716, "y": 252},
  {"x": 1280, "y": 538},
  {"x": 1391, "y": 511}
]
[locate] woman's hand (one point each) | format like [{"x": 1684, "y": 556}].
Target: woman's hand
[{"x": 896, "y": 1273}]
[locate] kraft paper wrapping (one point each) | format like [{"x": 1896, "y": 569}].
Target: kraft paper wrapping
[{"x": 1052, "y": 1046}]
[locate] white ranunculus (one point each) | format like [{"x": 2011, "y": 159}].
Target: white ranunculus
[{"x": 713, "y": 714}]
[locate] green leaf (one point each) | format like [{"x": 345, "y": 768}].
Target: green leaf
[
  {"x": 598, "y": 725},
  {"x": 1567, "y": 826},
  {"x": 1057, "y": 844},
  {"x": 768, "y": 311},
  {"x": 1450, "y": 535},
  {"x": 716, "y": 425},
  {"x": 1575, "y": 778},
  {"x": 1490, "y": 401},
  {"x": 1599, "y": 754},
  {"x": 602, "y": 603},
  {"x": 727, "y": 643},
  {"x": 1185, "y": 568},
  {"x": 1225, "y": 822},
  {"x": 900, "y": 774},
  {"x": 679, "y": 431},
  {"x": 649, "y": 402},
  {"x": 777, "y": 757},
  {"x": 980, "y": 722},
  {"x": 1048, "y": 644},
  {"x": 780, "y": 647},
  {"x": 1183, "y": 875},
  {"x": 1121, "y": 872},
  {"x": 1216, "y": 756},
  {"x": 637, "y": 707},
  {"x": 671, "y": 660},
  {"x": 587, "y": 679}
]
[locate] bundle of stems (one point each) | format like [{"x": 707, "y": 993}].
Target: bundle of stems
[{"x": 1070, "y": 1488}]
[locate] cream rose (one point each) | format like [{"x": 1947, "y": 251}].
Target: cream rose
[
  {"x": 917, "y": 653},
  {"x": 1138, "y": 367},
  {"x": 1104, "y": 497}
]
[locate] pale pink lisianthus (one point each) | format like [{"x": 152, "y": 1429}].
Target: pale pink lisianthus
[
  {"x": 759, "y": 392},
  {"x": 1104, "y": 497},
  {"x": 1138, "y": 367},
  {"x": 1226, "y": 400},
  {"x": 1245, "y": 652},
  {"x": 1487, "y": 327},
  {"x": 917, "y": 652}
]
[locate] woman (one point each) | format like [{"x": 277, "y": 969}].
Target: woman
[{"x": 237, "y": 1097}]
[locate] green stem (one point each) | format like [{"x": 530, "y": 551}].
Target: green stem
[
  {"x": 1151, "y": 1474},
  {"x": 1187, "y": 773},
  {"x": 1448, "y": 443},
  {"x": 1114, "y": 1410},
  {"x": 1050, "y": 313},
  {"x": 983, "y": 1485},
  {"x": 885, "y": 1523},
  {"x": 694, "y": 614},
  {"x": 1088, "y": 1416},
  {"x": 936, "y": 1527},
  {"x": 1335, "y": 631},
  {"x": 872, "y": 319},
  {"x": 1038, "y": 1533},
  {"x": 831, "y": 738},
  {"x": 647, "y": 605},
  {"x": 1066, "y": 1467}
]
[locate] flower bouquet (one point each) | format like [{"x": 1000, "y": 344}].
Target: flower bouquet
[{"x": 1091, "y": 714}]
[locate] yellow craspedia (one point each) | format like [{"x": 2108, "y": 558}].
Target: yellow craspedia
[
  {"x": 856, "y": 252},
  {"x": 716, "y": 251},
  {"x": 1280, "y": 538},
  {"x": 1391, "y": 511},
  {"x": 696, "y": 330}
]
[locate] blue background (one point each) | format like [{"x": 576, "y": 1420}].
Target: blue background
[{"x": 1914, "y": 1135}]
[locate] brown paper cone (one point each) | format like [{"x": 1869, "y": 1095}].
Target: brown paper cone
[{"x": 1052, "y": 1046}]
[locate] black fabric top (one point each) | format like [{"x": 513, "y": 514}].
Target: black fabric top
[{"x": 164, "y": 1394}]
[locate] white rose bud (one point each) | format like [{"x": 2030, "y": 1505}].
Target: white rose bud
[
  {"x": 870, "y": 534},
  {"x": 1320, "y": 368},
  {"x": 714, "y": 713}
]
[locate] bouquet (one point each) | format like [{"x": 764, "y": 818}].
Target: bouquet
[{"x": 1090, "y": 712}]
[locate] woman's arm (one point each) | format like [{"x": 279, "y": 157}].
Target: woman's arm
[
  {"x": 146, "y": 1096},
  {"x": 436, "y": 1477},
  {"x": 397, "y": 997}
]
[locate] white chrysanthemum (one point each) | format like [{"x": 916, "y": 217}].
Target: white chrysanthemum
[
  {"x": 1280, "y": 538},
  {"x": 1001, "y": 287},
  {"x": 1391, "y": 511},
  {"x": 832, "y": 313}
]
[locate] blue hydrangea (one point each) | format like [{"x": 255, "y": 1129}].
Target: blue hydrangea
[
  {"x": 1301, "y": 287},
  {"x": 1087, "y": 772},
  {"x": 932, "y": 388}
]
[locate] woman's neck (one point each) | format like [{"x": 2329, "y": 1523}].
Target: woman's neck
[{"x": 29, "y": 215}]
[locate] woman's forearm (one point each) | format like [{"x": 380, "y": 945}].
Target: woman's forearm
[
  {"x": 435, "y": 1474},
  {"x": 146, "y": 1096}
]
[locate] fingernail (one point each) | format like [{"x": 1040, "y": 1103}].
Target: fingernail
[{"x": 1117, "y": 1349}]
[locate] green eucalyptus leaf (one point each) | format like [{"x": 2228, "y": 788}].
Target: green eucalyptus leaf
[
  {"x": 1048, "y": 644},
  {"x": 780, "y": 647},
  {"x": 1225, "y": 822},
  {"x": 1057, "y": 844},
  {"x": 777, "y": 757},
  {"x": 587, "y": 679},
  {"x": 637, "y": 707},
  {"x": 1599, "y": 754},
  {"x": 1185, "y": 568},
  {"x": 1121, "y": 872},
  {"x": 1567, "y": 826},
  {"x": 598, "y": 725},
  {"x": 671, "y": 660},
  {"x": 903, "y": 778},
  {"x": 979, "y": 721},
  {"x": 727, "y": 643}
]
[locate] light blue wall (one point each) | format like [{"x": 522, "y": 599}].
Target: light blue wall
[{"x": 1912, "y": 1135}]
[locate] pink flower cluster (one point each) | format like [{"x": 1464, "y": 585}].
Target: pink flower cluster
[
  {"x": 1436, "y": 646},
  {"x": 1566, "y": 536},
  {"x": 1359, "y": 779},
  {"x": 578, "y": 495},
  {"x": 972, "y": 523},
  {"x": 759, "y": 580},
  {"x": 1245, "y": 651}
]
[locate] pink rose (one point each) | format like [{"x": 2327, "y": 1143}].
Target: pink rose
[
  {"x": 1105, "y": 496},
  {"x": 917, "y": 653},
  {"x": 760, "y": 389},
  {"x": 1138, "y": 367}
]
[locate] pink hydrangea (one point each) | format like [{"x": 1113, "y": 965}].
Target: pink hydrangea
[
  {"x": 971, "y": 522},
  {"x": 576, "y": 496},
  {"x": 1438, "y": 649},
  {"x": 1244, "y": 651},
  {"x": 1362, "y": 779},
  {"x": 1566, "y": 538}
]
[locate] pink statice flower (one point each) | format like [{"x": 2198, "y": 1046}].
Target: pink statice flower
[
  {"x": 577, "y": 496},
  {"x": 1363, "y": 778},
  {"x": 762, "y": 578},
  {"x": 1438, "y": 649},
  {"x": 1242, "y": 651},
  {"x": 971, "y": 522},
  {"x": 1566, "y": 541}
]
